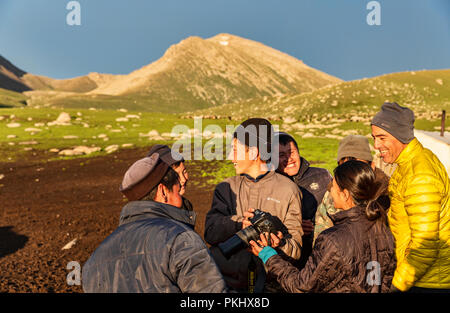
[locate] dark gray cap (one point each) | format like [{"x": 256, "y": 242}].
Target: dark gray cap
[
  {"x": 355, "y": 146},
  {"x": 396, "y": 120},
  {"x": 166, "y": 154}
]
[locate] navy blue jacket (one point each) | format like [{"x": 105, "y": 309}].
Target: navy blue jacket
[{"x": 154, "y": 249}]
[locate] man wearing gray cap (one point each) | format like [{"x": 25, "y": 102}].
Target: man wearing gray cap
[
  {"x": 352, "y": 147},
  {"x": 419, "y": 190},
  {"x": 176, "y": 162},
  {"x": 155, "y": 247}
]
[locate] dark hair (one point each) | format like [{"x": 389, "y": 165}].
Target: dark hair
[
  {"x": 349, "y": 158},
  {"x": 359, "y": 179},
  {"x": 169, "y": 180},
  {"x": 284, "y": 139},
  {"x": 256, "y": 132}
]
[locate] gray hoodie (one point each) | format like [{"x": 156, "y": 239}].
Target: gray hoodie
[{"x": 272, "y": 193}]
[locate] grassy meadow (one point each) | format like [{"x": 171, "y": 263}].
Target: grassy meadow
[
  {"x": 100, "y": 128},
  {"x": 318, "y": 120}
]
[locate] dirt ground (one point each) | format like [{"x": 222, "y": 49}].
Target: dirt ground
[{"x": 45, "y": 205}]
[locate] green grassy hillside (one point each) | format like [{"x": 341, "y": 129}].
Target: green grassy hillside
[
  {"x": 422, "y": 91},
  {"x": 194, "y": 74},
  {"x": 10, "y": 99}
]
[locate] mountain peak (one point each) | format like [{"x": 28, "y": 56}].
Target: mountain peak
[
  {"x": 198, "y": 73},
  {"x": 10, "y": 76}
]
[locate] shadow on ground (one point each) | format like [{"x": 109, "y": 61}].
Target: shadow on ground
[{"x": 10, "y": 241}]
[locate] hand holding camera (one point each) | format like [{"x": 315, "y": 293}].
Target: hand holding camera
[
  {"x": 255, "y": 223},
  {"x": 257, "y": 246},
  {"x": 247, "y": 216}
]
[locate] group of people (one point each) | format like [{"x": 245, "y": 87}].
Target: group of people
[{"x": 359, "y": 230}]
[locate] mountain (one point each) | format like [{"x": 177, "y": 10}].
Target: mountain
[
  {"x": 426, "y": 92},
  {"x": 218, "y": 70},
  {"x": 14, "y": 79},
  {"x": 11, "y": 77},
  {"x": 193, "y": 74}
]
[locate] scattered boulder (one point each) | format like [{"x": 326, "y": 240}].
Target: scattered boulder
[
  {"x": 62, "y": 120},
  {"x": 69, "y": 152},
  {"x": 34, "y": 130},
  {"x": 78, "y": 150},
  {"x": 289, "y": 120},
  {"x": 111, "y": 148},
  {"x": 129, "y": 116},
  {"x": 86, "y": 150},
  {"x": 33, "y": 142},
  {"x": 13, "y": 125},
  {"x": 69, "y": 245}
]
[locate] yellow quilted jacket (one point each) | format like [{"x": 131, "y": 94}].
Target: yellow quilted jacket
[{"x": 419, "y": 218}]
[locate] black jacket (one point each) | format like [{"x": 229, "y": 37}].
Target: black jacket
[
  {"x": 342, "y": 258},
  {"x": 154, "y": 249},
  {"x": 312, "y": 182}
]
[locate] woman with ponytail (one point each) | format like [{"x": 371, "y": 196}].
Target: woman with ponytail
[{"x": 356, "y": 254}]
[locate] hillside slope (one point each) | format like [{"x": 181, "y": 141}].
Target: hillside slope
[
  {"x": 193, "y": 74},
  {"x": 423, "y": 91},
  {"x": 11, "y": 77}
]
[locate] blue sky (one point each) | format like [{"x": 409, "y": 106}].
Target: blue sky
[{"x": 119, "y": 36}]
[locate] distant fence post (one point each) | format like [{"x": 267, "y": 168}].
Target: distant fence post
[{"x": 443, "y": 123}]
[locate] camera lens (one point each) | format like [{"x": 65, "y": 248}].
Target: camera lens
[
  {"x": 238, "y": 241},
  {"x": 231, "y": 246}
]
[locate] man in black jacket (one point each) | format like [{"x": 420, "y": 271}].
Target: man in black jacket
[
  {"x": 155, "y": 247},
  {"x": 312, "y": 182}
]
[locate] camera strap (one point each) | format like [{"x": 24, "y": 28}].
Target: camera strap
[{"x": 251, "y": 275}]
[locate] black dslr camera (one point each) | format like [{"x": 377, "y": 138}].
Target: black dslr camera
[{"x": 262, "y": 222}]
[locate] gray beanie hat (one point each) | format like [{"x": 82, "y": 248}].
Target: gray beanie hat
[
  {"x": 396, "y": 120},
  {"x": 355, "y": 146}
]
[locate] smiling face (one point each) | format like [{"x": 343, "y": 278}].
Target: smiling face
[
  {"x": 289, "y": 162},
  {"x": 389, "y": 146},
  {"x": 241, "y": 158}
]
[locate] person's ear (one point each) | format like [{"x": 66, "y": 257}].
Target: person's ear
[
  {"x": 163, "y": 192},
  {"x": 346, "y": 194}
]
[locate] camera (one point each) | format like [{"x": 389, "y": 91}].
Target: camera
[{"x": 262, "y": 222}]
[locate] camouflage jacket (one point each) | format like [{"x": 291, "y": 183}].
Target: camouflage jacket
[{"x": 327, "y": 209}]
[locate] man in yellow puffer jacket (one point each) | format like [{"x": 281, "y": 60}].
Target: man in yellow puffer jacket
[{"x": 419, "y": 216}]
